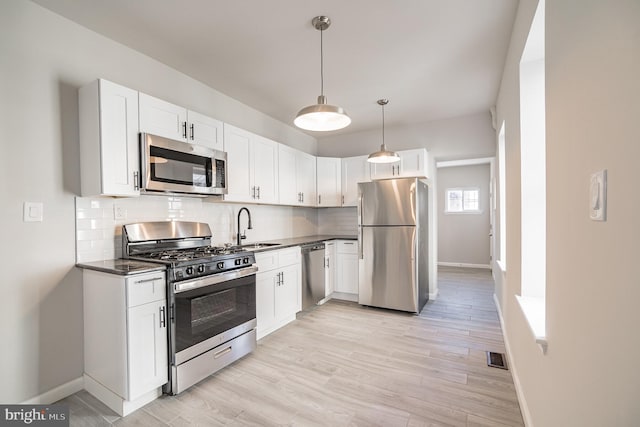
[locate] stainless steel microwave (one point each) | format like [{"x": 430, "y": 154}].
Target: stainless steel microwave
[{"x": 170, "y": 166}]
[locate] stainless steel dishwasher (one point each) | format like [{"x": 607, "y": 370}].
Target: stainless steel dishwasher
[{"x": 312, "y": 274}]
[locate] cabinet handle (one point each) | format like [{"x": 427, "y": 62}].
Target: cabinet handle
[
  {"x": 192, "y": 133},
  {"x": 343, "y": 199},
  {"x": 136, "y": 181},
  {"x": 184, "y": 130},
  {"x": 319, "y": 199},
  {"x": 258, "y": 196},
  {"x": 163, "y": 318},
  {"x": 153, "y": 279},
  {"x": 302, "y": 197},
  {"x": 253, "y": 192}
]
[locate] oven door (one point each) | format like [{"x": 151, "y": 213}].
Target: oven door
[
  {"x": 178, "y": 167},
  {"x": 212, "y": 310}
]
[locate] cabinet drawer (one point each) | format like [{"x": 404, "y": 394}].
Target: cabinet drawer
[
  {"x": 347, "y": 247},
  {"x": 267, "y": 260},
  {"x": 289, "y": 256},
  {"x": 144, "y": 288}
]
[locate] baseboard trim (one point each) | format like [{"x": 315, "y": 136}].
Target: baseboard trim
[
  {"x": 464, "y": 265},
  {"x": 526, "y": 415},
  {"x": 57, "y": 393}
]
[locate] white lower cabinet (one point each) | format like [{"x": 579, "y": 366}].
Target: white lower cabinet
[
  {"x": 347, "y": 269},
  {"x": 278, "y": 293},
  {"x": 329, "y": 267},
  {"x": 125, "y": 338}
]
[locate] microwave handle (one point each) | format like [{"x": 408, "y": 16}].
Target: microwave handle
[{"x": 136, "y": 181}]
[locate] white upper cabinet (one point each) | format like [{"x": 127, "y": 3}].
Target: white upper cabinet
[
  {"x": 329, "y": 183},
  {"x": 108, "y": 125},
  {"x": 205, "y": 131},
  {"x": 413, "y": 163},
  {"x": 165, "y": 119},
  {"x": 252, "y": 165},
  {"x": 297, "y": 177},
  {"x": 354, "y": 170},
  {"x": 264, "y": 164}
]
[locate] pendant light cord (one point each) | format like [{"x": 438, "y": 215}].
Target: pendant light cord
[
  {"x": 321, "y": 65},
  {"x": 384, "y": 146}
]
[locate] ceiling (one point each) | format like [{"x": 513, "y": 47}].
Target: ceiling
[{"x": 433, "y": 59}]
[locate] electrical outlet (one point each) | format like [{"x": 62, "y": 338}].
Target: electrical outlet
[{"x": 119, "y": 212}]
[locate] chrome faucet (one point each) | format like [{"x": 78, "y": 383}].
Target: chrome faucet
[{"x": 243, "y": 236}]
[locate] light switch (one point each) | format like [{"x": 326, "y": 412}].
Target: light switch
[
  {"x": 32, "y": 212},
  {"x": 598, "y": 196}
]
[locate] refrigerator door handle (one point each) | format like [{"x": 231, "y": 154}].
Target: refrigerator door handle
[{"x": 360, "y": 251}]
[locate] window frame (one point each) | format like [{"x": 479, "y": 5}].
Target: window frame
[{"x": 463, "y": 211}]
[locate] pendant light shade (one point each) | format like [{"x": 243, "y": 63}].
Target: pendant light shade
[
  {"x": 383, "y": 155},
  {"x": 322, "y": 117}
]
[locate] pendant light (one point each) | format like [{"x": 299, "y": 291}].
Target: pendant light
[
  {"x": 384, "y": 155},
  {"x": 322, "y": 116}
]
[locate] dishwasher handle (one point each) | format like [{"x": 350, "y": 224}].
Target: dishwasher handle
[{"x": 312, "y": 247}]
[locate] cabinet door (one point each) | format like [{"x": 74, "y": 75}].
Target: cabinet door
[
  {"x": 329, "y": 185},
  {"x": 162, "y": 118},
  {"x": 119, "y": 154},
  {"x": 203, "y": 130},
  {"x": 286, "y": 292},
  {"x": 354, "y": 170},
  {"x": 237, "y": 143},
  {"x": 264, "y": 164},
  {"x": 288, "y": 188},
  {"x": 347, "y": 281},
  {"x": 330, "y": 268},
  {"x": 147, "y": 344},
  {"x": 265, "y": 301},
  {"x": 413, "y": 163},
  {"x": 384, "y": 170},
  {"x": 306, "y": 177}
]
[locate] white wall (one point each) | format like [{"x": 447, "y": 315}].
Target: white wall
[
  {"x": 463, "y": 238},
  {"x": 590, "y": 375},
  {"x": 44, "y": 59}
]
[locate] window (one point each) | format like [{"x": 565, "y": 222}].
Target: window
[
  {"x": 502, "y": 193},
  {"x": 533, "y": 196},
  {"x": 462, "y": 200}
]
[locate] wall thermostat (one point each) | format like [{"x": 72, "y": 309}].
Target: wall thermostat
[{"x": 598, "y": 196}]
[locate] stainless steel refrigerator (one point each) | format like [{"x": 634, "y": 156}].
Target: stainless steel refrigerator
[{"x": 393, "y": 226}]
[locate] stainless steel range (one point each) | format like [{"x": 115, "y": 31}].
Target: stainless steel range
[{"x": 211, "y": 294}]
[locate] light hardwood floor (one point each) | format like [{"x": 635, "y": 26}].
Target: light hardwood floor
[{"x": 341, "y": 364}]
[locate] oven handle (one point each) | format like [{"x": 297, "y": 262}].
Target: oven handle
[{"x": 214, "y": 279}]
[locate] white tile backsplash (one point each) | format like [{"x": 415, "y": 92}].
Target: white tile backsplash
[
  {"x": 99, "y": 234},
  {"x": 340, "y": 221}
]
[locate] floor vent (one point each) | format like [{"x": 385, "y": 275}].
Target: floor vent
[{"x": 496, "y": 360}]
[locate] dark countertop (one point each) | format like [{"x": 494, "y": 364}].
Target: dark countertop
[
  {"x": 125, "y": 267},
  {"x": 297, "y": 241},
  {"x": 121, "y": 266}
]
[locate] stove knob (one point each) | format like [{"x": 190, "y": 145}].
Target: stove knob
[
  {"x": 220, "y": 265},
  {"x": 245, "y": 260},
  {"x": 201, "y": 268},
  {"x": 189, "y": 271},
  {"x": 237, "y": 261}
]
